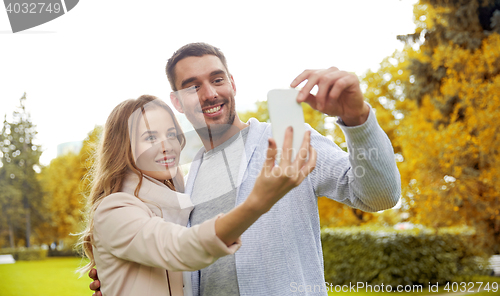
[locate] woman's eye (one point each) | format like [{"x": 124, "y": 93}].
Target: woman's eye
[
  {"x": 171, "y": 135},
  {"x": 151, "y": 138}
]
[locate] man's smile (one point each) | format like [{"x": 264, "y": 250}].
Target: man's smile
[{"x": 213, "y": 110}]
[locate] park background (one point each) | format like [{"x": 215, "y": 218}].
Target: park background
[{"x": 436, "y": 96}]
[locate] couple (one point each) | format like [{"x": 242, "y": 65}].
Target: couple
[{"x": 136, "y": 234}]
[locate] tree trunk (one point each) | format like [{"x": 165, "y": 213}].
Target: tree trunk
[
  {"x": 28, "y": 227},
  {"x": 11, "y": 236}
]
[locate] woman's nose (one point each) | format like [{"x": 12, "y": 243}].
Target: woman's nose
[{"x": 166, "y": 146}]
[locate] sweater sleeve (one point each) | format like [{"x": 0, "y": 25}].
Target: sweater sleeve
[
  {"x": 367, "y": 177},
  {"x": 124, "y": 227}
]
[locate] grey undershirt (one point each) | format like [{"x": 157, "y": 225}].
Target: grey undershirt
[{"x": 214, "y": 192}]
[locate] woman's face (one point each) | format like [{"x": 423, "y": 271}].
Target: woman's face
[{"x": 157, "y": 148}]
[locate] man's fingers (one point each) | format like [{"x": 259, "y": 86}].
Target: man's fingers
[
  {"x": 309, "y": 99},
  {"x": 95, "y": 285},
  {"x": 302, "y": 76},
  {"x": 327, "y": 84},
  {"x": 312, "y": 78},
  {"x": 328, "y": 81},
  {"x": 322, "y": 94},
  {"x": 339, "y": 87},
  {"x": 93, "y": 274}
]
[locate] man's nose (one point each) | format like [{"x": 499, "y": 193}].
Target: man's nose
[{"x": 208, "y": 92}]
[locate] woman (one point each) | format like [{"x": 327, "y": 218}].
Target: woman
[{"x": 136, "y": 219}]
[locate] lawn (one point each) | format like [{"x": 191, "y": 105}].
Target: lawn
[
  {"x": 53, "y": 276},
  {"x": 56, "y": 276}
]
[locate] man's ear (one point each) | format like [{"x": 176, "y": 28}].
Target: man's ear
[
  {"x": 176, "y": 102},
  {"x": 233, "y": 85}
]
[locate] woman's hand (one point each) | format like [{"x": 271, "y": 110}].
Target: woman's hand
[{"x": 274, "y": 181}]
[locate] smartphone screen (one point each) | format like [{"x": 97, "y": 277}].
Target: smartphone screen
[{"x": 284, "y": 111}]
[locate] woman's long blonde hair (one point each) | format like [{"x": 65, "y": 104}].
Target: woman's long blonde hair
[{"x": 113, "y": 160}]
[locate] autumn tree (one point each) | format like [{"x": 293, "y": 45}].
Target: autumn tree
[
  {"x": 61, "y": 184},
  {"x": 437, "y": 99},
  {"x": 20, "y": 196},
  {"x": 65, "y": 183}
]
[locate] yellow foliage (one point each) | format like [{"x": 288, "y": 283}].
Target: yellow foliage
[
  {"x": 261, "y": 114},
  {"x": 64, "y": 184},
  {"x": 335, "y": 214},
  {"x": 443, "y": 121},
  {"x": 61, "y": 184}
]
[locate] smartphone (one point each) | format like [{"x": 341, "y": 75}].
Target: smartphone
[{"x": 284, "y": 111}]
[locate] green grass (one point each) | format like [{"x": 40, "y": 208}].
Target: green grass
[
  {"x": 53, "y": 276},
  {"x": 56, "y": 276}
]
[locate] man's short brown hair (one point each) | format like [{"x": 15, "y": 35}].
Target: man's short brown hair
[{"x": 198, "y": 49}]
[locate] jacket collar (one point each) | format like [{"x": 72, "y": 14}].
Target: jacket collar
[{"x": 173, "y": 206}]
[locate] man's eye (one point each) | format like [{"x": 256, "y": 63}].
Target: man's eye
[
  {"x": 219, "y": 80},
  {"x": 192, "y": 89}
]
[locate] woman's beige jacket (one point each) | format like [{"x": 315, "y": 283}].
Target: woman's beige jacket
[{"x": 136, "y": 241}]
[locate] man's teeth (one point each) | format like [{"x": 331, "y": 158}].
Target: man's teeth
[
  {"x": 212, "y": 110},
  {"x": 164, "y": 161}
]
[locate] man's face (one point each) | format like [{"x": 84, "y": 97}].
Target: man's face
[{"x": 206, "y": 93}]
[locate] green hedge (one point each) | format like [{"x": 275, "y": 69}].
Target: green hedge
[
  {"x": 25, "y": 254},
  {"x": 64, "y": 253},
  {"x": 394, "y": 257}
]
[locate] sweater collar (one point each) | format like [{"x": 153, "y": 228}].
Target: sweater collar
[{"x": 258, "y": 132}]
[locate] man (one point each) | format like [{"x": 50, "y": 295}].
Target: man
[{"x": 282, "y": 251}]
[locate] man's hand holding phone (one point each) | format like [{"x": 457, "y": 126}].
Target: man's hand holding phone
[{"x": 339, "y": 94}]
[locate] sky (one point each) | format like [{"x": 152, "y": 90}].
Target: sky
[{"x": 78, "y": 67}]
